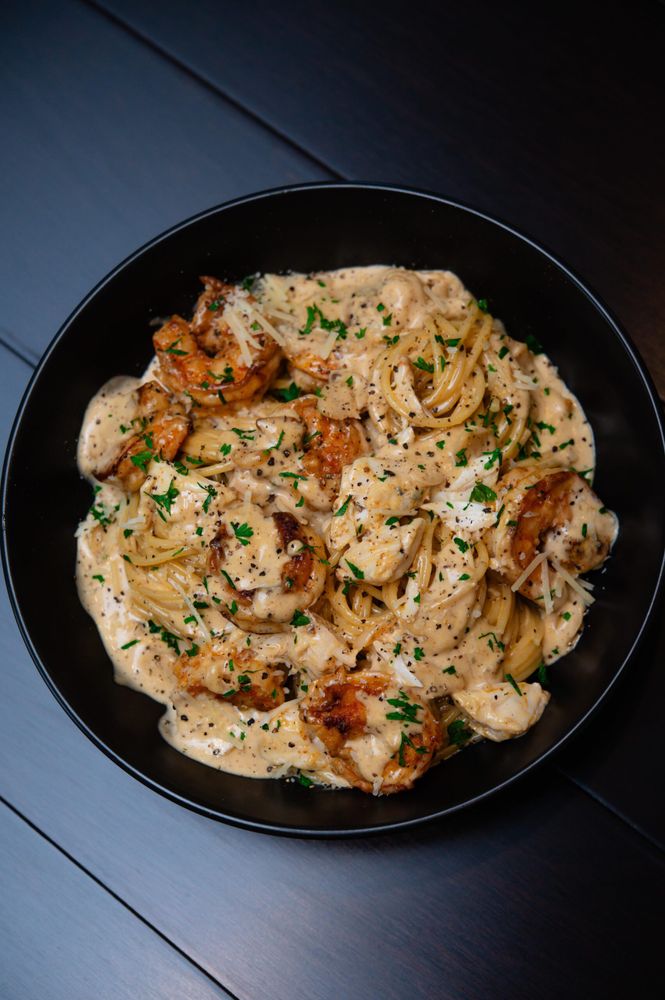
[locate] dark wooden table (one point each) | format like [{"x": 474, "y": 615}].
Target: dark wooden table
[{"x": 123, "y": 117}]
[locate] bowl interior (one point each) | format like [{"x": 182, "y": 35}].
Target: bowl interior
[{"x": 308, "y": 229}]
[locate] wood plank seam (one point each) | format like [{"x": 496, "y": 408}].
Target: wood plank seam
[
  {"x": 212, "y": 87},
  {"x": 601, "y": 801},
  {"x": 21, "y": 352},
  {"x": 118, "y": 899}
]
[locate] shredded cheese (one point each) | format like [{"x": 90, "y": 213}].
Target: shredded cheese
[
  {"x": 267, "y": 325},
  {"x": 522, "y": 380},
  {"x": 243, "y": 337},
  {"x": 324, "y": 349},
  {"x": 574, "y": 584},
  {"x": 192, "y": 610},
  {"x": 523, "y": 577},
  {"x": 403, "y": 673},
  {"x": 547, "y": 597}
]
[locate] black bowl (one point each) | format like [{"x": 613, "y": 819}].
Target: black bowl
[{"x": 324, "y": 226}]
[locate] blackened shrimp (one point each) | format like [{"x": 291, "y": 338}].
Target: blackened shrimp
[
  {"x": 233, "y": 675},
  {"x": 379, "y": 737},
  {"x": 328, "y": 444},
  {"x": 273, "y": 567},
  {"x": 161, "y": 427},
  {"x": 204, "y": 358},
  {"x": 557, "y": 515}
]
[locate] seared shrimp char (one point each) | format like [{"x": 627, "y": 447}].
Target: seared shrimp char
[
  {"x": 233, "y": 675},
  {"x": 162, "y": 426},
  {"x": 557, "y": 514},
  {"x": 379, "y": 737},
  {"x": 204, "y": 358},
  {"x": 329, "y": 444},
  {"x": 273, "y": 567}
]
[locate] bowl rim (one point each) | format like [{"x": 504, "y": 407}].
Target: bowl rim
[{"x": 282, "y": 828}]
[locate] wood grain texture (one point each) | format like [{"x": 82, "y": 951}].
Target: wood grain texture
[
  {"x": 65, "y": 938},
  {"x": 517, "y": 898},
  {"x": 546, "y": 117},
  {"x": 106, "y": 145},
  {"x": 620, "y": 757}
]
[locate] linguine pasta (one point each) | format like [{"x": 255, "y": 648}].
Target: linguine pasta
[{"x": 339, "y": 526}]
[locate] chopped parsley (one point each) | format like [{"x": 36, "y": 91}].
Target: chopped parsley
[
  {"x": 211, "y": 491},
  {"x": 313, "y": 314},
  {"x": 493, "y": 639},
  {"x": 167, "y": 637},
  {"x": 458, "y": 732},
  {"x": 141, "y": 459},
  {"x": 286, "y": 395},
  {"x": 342, "y": 510},
  {"x": 534, "y": 344},
  {"x": 461, "y": 458},
  {"x": 165, "y": 501},
  {"x": 461, "y": 544},
  {"x": 407, "y": 742},
  {"x": 128, "y": 645},
  {"x": 299, "y": 618},
  {"x": 358, "y": 573},
  {"x": 173, "y": 350},
  {"x": 482, "y": 494},
  {"x": 100, "y": 514},
  {"x": 511, "y": 680},
  {"x": 243, "y": 532},
  {"x": 423, "y": 365},
  {"x": 408, "y": 711},
  {"x": 493, "y": 456}
]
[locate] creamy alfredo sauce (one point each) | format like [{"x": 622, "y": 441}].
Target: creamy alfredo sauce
[{"x": 417, "y": 652}]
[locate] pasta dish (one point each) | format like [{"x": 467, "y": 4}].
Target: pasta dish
[{"x": 339, "y": 526}]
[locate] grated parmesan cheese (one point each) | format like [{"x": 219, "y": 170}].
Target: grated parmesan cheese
[
  {"x": 192, "y": 610},
  {"x": 547, "y": 597},
  {"x": 574, "y": 584},
  {"x": 523, "y": 577},
  {"x": 326, "y": 347}
]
